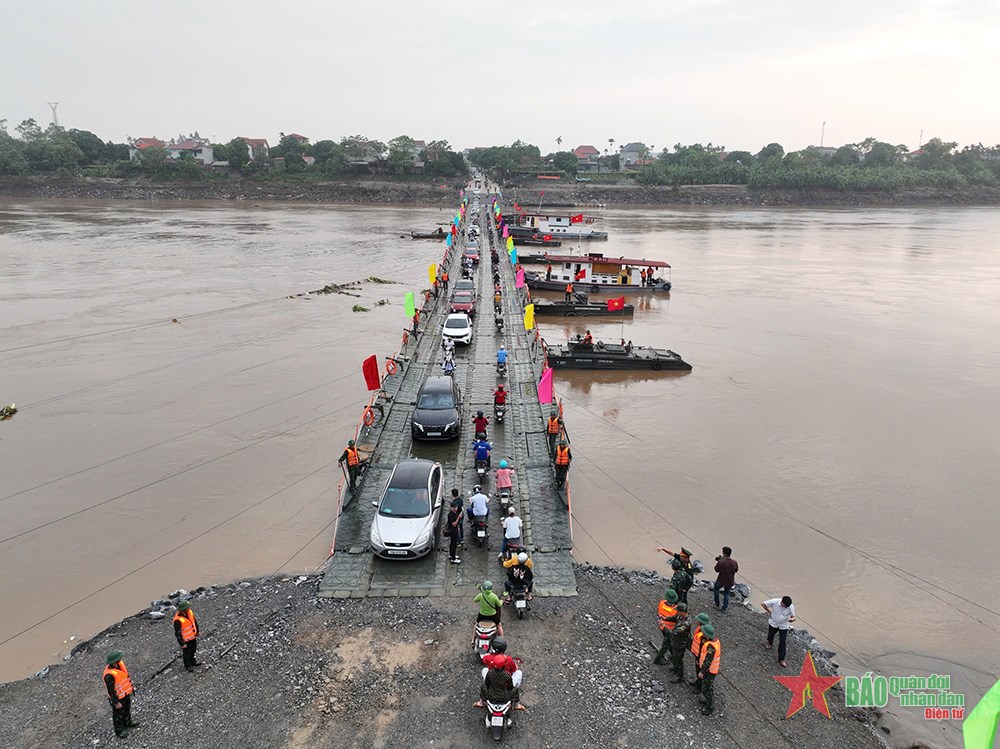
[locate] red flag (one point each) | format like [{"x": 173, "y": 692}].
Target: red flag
[
  {"x": 517, "y": 207},
  {"x": 454, "y": 230},
  {"x": 580, "y": 274},
  {"x": 577, "y": 219},
  {"x": 369, "y": 368},
  {"x": 547, "y": 238},
  {"x": 542, "y": 195},
  {"x": 616, "y": 304}
]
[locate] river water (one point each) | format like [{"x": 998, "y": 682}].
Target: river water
[{"x": 839, "y": 429}]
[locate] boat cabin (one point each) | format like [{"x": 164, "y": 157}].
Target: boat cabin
[{"x": 602, "y": 271}]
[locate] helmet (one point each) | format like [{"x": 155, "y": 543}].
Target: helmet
[
  {"x": 502, "y": 347},
  {"x": 709, "y": 631},
  {"x": 183, "y": 605},
  {"x": 477, "y": 488},
  {"x": 675, "y": 564},
  {"x": 703, "y": 618},
  {"x": 350, "y": 443},
  {"x": 554, "y": 412},
  {"x": 499, "y": 644},
  {"x": 499, "y": 661},
  {"x": 511, "y": 510},
  {"x": 588, "y": 330},
  {"x": 522, "y": 557},
  {"x": 670, "y": 596},
  {"x": 487, "y": 585},
  {"x": 503, "y": 463},
  {"x": 114, "y": 656},
  {"x": 500, "y": 386},
  {"x": 479, "y": 413}
]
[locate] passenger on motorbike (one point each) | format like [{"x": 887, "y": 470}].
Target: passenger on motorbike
[
  {"x": 504, "y": 477},
  {"x": 478, "y": 504},
  {"x": 519, "y": 575}
]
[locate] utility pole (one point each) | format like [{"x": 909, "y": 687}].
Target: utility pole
[
  {"x": 55, "y": 117},
  {"x": 822, "y": 134},
  {"x": 920, "y": 140}
]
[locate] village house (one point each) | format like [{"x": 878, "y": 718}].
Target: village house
[
  {"x": 257, "y": 148},
  {"x": 587, "y": 159},
  {"x": 303, "y": 140},
  {"x": 201, "y": 151},
  {"x": 136, "y": 147},
  {"x": 634, "y": 155}
]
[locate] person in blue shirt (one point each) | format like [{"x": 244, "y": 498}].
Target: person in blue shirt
[
  {"x": 502, "y": 355},
  {"x": 482, "y": 449}
]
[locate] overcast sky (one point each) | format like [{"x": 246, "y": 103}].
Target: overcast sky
[{"x": 740, "y": 74}]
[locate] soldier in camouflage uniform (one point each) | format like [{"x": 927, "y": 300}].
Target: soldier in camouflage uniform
[
  {"x": 681, "y": 581},
  {"x": 680, "y": 641}
]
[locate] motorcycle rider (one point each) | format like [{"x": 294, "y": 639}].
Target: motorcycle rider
[
  {"x": 502, "y": 660},
  {"x": 448, "y": 365},
  {"x": 478, "y": 504},
  {"x": 505, "y": 477},
  {"x": 502, "y": 356},
  {"x": 498, "y": 686},
  {"x": 519, "y": 574},
  {"x": 481, "y": 422},
  {"x": 512, "y": 525},
  {"x": 482, "y": 449},
  {"x": 489, "y": 608},
  {"x": 500, "y": 396}
]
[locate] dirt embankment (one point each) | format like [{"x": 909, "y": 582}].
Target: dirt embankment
[
  {"x": 285, "y": 669},
  {"x": 417, "y": 193}
]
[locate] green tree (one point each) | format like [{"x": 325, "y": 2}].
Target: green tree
[
  {"x": 881, "y": 154},
  {"x": 740, "y": 157},
  {"x": 359, "y": 148},
  {"x": 113, "y": 152},
  {"x": 401, "y": 153},
  {"x": 153, "y": 161},
  {"x": 237, "y": 153},
  {"x": 937, "y": 154},
  {"x": 566, "y": 161},
  {"x": 846, "y": 156},
  {"x": 771, "y": 153},
  {"x": 330, "y": 157},
  {"x": 91, "y": 146},
  {"x": 12, "y": 160}
]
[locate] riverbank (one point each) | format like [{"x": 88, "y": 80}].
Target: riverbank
[
  {"x": 421, "y": 193},
  {"x": 285, "y": 668}
]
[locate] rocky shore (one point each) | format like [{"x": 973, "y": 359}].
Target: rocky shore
[
  {"x": 283, "y": 668},
  {"x": 421, "y": 193}
]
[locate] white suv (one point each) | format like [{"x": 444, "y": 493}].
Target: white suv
[{"x": 458, "y": 328}]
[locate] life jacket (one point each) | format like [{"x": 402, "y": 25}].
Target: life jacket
[
  {"x": 663, "y": 611},
  {"x": 553, "y": 426},
  {"x": 588, "y": 338},
  {"x": 696, "y": 642},
  {"x": 444, "y": 277},
  {"x": 352, "y": 456},
  {"x": 189, "y": 627},
  {"x": 562, "y": 455},
  {"x": 569, "y": 288},
  {"x": 123, "y": 684},
  {"x": 713, "y": 667}
]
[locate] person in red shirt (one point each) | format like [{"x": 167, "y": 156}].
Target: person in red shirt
[
  {"x": 500, "y": 395},
  {"x": 481, "y": 422},
  {"x": 498, "y": 659}
]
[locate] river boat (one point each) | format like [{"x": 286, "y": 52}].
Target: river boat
[
  {"x": 594, "y": 272},
  {"x": 575, "y": 354},
  {"x": 439, "y": 234},
  {"x": 557, "y": 225},
  {"x": 580, "y": 307},
  {"x": 535, "y": 241}
]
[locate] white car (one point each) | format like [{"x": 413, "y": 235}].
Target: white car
[
  {"x": 458, "y": 328},
  {"x": 405, "y": 524}
]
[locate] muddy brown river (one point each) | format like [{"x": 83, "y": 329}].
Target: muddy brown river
[{"x": 839, "y": 430}]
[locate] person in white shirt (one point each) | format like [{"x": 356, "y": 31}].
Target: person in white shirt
[
  {"x": 478, "y": 504},
  {"x": 511, "y": 531},
  {"x": 780, "y": 613}
]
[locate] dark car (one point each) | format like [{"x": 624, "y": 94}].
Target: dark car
[
  {"x": 435, "y": 416},
  {"x": 463, "y": 301}
]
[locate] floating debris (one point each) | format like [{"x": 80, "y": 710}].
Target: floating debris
[
  {"x": 339, "y": 288},
  {"x": 7, "y": 412},
  {"x": 376, "y": 279},
  {"x": 382, "y": 302},
  {"x": 359, "y": 308}
]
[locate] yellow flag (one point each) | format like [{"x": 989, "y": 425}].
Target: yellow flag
[
  {"x": 529, "y": 317},
  {"x": 432, "y": 273},
  {"x": 510, "y": 243}
]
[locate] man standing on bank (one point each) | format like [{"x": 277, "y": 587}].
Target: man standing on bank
[
  {"x": 780, "y": 613},
  {"x": 186, "y": 632},
  {"x": 119, "y": 686},
  {"x": 727, "y": 568},
  {"x": 353, "y": 460}
]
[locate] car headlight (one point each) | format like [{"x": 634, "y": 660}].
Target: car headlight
[
  {"x": 452, "y": 425},
  {"x": 422, "y": 538},
  {"x": 376, "y": 538},
  {"x": 418, "y": 425}
]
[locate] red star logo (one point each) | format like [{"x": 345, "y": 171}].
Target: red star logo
[{"x": 808, "y": 684}]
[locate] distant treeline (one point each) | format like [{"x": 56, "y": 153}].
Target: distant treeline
[
  {"x": 869, "y": 165},
  {"x": 32, "y": 150}
]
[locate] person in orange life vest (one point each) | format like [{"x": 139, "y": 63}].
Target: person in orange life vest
[
  {"x": 649, "y": 276},
  {"x": 588, "y": 339},
  {"x": 548, "y": 272},
  {"x": 120, "y": 689},
  {"x": 444, "y": 280},
  {"x": 642, "y": 275},
  {"x": 552, "y": 428},
  {"x": 708, "y": 667},
  {"x": 696, "y": 639},
  {"x": 666, "y": 618},
  {"x": 564, "y": 457},
  {"x": 569, "y": 292},
  {"x": 353, "y": 460},
  {"x": 416, "y": 320},
  {"x": 186, "y": 632}
]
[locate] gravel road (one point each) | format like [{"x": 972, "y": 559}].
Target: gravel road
[{"x": 284, "y": 668}]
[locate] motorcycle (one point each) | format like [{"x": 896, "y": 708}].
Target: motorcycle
[
  {"x": 466, "y": 272},
  {"x": 481, "y": 466},
  {"x": 480, "y": 529},
  {"x": 501, "y": 369},
  {"x": 499, "y": 411},
  {"x": 520, "y": 596},
  {"x": 498, "y": 718},
  {"x": 504, "y": 495},
  {"x": 448, "y": 366},
  {"x": 498, "y": 321},
  {"x": 485, "y": 632}
]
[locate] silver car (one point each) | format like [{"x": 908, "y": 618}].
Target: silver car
[{"x": 405, "y": 524}]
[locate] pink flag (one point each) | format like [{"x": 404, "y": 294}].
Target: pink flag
[
  {"x": 504, "y": 232},
  {"x": 519, "y": 280},
  {"x": 545, "y": 386}
]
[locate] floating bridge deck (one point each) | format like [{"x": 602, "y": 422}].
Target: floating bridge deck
[{"x": 353, "y": 571}]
